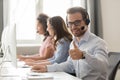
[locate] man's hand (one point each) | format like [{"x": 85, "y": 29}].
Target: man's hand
[
  {"x": 39, "y": 68},
  {"x": 75, "y": 53}
]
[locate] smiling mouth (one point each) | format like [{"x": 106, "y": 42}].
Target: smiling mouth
[{"x": 75, "y": 31}]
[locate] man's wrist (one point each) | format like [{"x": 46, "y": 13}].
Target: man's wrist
[{"x": 83, "y": 54}]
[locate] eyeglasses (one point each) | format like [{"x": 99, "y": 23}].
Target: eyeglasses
[{"x": 76, "y": 23}]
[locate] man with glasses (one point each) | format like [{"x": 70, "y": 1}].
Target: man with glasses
[{"x": 88, "y": 53}]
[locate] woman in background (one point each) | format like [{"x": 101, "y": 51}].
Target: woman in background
[
  {"x": 62, "y": 39},
  {"x": 47, "y": 48}
]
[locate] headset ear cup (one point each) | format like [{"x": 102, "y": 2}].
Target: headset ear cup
[{"x": 87, "y": 21}]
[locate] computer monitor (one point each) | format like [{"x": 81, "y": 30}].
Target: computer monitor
[
  {"x": 8, "y": 45},
  {"x": 12, "y": 44},
  {"x": 4, "y": 39}
]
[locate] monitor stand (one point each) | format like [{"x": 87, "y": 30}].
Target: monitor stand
[{"x": 7, "y": 70}]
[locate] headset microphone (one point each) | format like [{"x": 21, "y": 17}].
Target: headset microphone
[
  {"x": 82, "y": 28},
  {"x": 37, "y": 31}
]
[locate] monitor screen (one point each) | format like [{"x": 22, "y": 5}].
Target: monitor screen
[{"x": 8, "y": 43}]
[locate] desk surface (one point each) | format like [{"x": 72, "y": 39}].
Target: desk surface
[{"x": 23, "y": 75}]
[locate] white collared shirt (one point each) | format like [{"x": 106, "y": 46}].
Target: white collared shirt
[{"x": 95, "y": 64}]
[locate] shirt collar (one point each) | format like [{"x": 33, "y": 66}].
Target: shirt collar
[{"x": 85, "y": 37}]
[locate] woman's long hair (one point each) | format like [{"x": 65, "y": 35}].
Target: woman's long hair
[
  {"x": 42, "y": 18},
  {"x": 60, "y": 28}
]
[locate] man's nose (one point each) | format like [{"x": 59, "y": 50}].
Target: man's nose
[{"x": 73, "y": 25}]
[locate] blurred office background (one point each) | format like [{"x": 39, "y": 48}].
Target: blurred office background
[{"x": 104, "y": 15}]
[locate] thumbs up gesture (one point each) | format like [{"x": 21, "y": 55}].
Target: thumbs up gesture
[{"x": 75, "y": 53}]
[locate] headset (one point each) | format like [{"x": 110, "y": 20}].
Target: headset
[
  {"x": 85, "y": 17},
  {"x": 87, "y": 20}
]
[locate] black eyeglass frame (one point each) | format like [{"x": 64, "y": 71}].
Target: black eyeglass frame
[{"x": 76, "y": 23}]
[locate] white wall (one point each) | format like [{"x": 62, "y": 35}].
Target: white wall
[
  {"x": 111, "y": 23},
  {"x": 28, "y": 49}
]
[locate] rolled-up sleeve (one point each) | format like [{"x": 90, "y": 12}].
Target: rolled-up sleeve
[
  {"x": 65, "y": 66},
  {"x": 99, "y": 60}
]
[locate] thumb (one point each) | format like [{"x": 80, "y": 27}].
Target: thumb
[{"x": 74, "y": 45}]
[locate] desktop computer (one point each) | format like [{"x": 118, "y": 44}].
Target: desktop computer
[
  {"x": 8, "y": 63},
  {"x": 8, "y": 48},
  {"x": 8, "y": 45}
]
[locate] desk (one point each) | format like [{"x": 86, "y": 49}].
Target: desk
[{"x": 22, "y": 75}]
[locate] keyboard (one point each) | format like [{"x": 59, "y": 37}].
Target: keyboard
[
  {"x": 21, "y": 64},
  {"x": 39, "y": 76}
]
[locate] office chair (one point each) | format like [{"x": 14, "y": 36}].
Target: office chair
[
  {"x": 114, "y": 71},
  {"x": 114, "y": 61}
]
